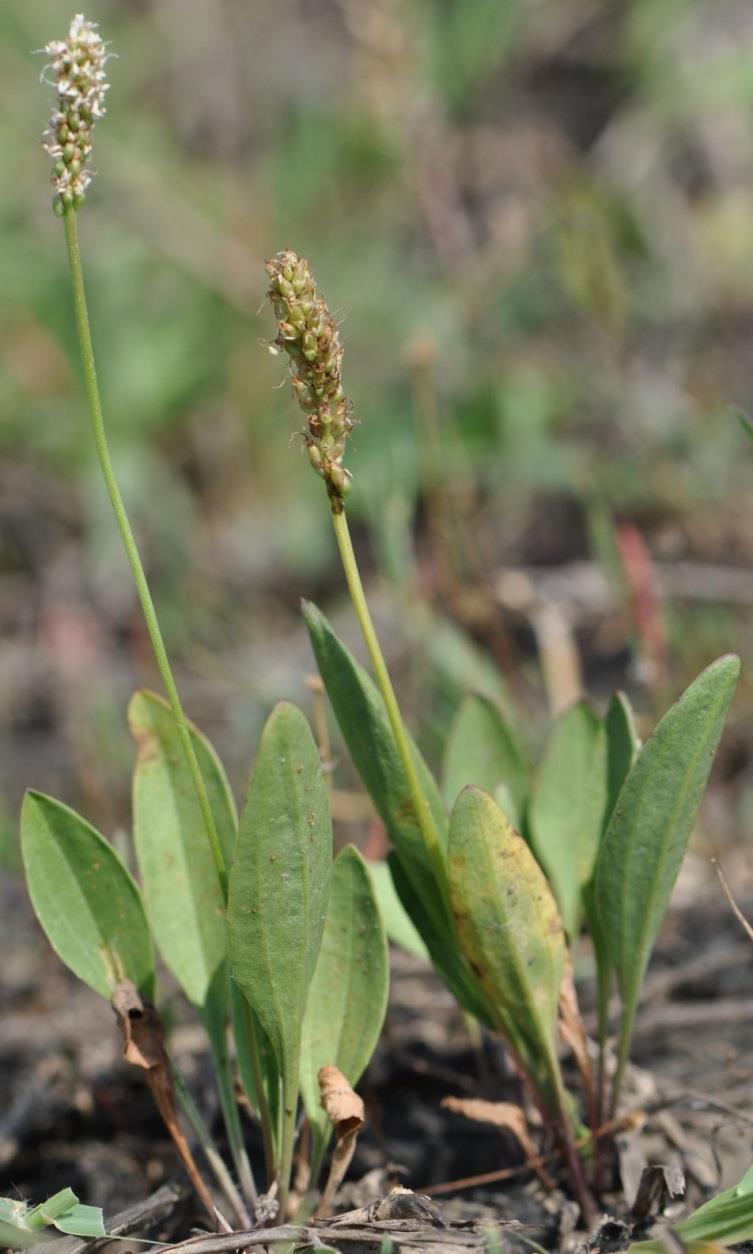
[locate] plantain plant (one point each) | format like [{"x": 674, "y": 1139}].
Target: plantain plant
[
  {"x": 257, "y": 924},
  {"x": 500, "y": 868}
]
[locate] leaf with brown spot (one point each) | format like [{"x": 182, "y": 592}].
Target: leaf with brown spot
[{"x": 509, "y": 928}]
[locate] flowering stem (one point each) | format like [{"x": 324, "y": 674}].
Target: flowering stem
[
  {"x": 129, "y": 541},
  {"x": 381, "y": 674},
  {"x": 155, "y": 635}
]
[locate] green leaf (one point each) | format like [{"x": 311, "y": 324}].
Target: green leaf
[
  {"x": 13, "y": 1237},
  {"x": 49, "y": 1212},
  {"x": 86, "y": 901},
  {"x": 15, "y": 1231},
  {"x": 181, "y": 887},
  {"x": 623, "y": 747},
  {"x": 348, "y": 997},
  {"x": 508, "y": 925},
  {"x": 440, "y": 938},
  {"x": 363, "y": 721},
  {"x": 397, "y": 922},
  {"x": 651, "y": 824},
  {"x": 81, "y": 1221},
  {"x": 279, "y": 882},
  {"x": 21, "y": 1227},
  {"x": 481, "y": 749},
  {"x": 726, "y": 1219},
  {"x": 246, "y": 1025},
  {"x": 183, "y": 894},
  {"x": 567, "y": 810}
]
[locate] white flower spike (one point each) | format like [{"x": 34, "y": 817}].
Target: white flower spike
[{"x": 77, "y": 65}]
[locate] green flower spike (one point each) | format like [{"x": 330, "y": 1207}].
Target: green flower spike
[
  {"x": 308, "y": 333},
  {"x": 78, "y": 75}
]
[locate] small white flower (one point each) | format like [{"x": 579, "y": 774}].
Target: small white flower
[{"x": 78, "y": 75}]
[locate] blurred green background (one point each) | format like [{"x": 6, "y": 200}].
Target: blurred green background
[{"x": 535, "y": 221}]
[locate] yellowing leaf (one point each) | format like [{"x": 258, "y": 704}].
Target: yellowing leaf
[{"x": 508, "y": 924}]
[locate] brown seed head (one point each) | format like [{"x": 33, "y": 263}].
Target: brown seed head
[{"x": 308, "y": 333}]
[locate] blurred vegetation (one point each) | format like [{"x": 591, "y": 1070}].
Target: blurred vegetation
[{"x": 534, "y": 219}]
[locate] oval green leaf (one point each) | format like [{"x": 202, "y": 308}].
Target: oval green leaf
[
  {"x": 482, "y": 749},
  {"x": 650, "y": 826},
  {"x": 508, "y": 924},
  {"x": 623, "y": 747},
  {"x": 363, "y": 721},
  {"x": 348, "y": 997},
  {"x": 86, "y": 901},
  {"x": 279, "y": 881},
  {"x": 567, "y": 810},
  {"x": 181, "y": 888}
]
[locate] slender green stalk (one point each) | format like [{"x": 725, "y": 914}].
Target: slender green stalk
[
  {"x": 224, "y": 1074},
  {"x": 129, "y": 541},
  {"x": 381, "y": 674}
]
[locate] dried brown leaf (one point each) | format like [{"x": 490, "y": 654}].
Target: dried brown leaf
[
  {"x": 503, "y": 1115},
  {"x": 346, "y": 1114},
  {"x": 343, "y": 1106},
  {"x": 144, "y": 1047}
]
